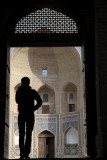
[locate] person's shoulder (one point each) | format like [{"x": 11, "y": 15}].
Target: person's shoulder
[{"x": 34, "y": 91}]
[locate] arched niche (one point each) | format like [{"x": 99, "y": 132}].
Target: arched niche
[
  {"x": 46, "y": 133},
  {"x": 48, "y": 106},
  {"x": 71, "y": 136},
  {"x": 69, "y": 97}
]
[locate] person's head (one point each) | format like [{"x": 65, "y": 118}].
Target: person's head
[{"x": 25, "y": 81}]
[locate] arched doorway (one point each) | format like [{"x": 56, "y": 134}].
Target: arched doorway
[{"x": 46, "y": 143}]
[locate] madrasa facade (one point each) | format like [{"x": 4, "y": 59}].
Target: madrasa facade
[{"x": 57, "y": 74}]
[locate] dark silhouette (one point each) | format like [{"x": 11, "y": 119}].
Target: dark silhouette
[{"x": 25, "y": 97}]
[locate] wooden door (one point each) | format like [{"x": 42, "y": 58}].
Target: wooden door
[
  {"x": 46, "y": 142},
  {"x": 50, "y": 143},
  {"x": 42, "y": 147}
]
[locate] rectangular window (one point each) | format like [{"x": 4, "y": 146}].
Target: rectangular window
[
  {"x": 71, "y": 107},
  {"x": 44, "y": 72}
]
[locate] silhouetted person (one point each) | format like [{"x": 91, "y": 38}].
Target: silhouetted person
[{"x": 25, "y": 97}]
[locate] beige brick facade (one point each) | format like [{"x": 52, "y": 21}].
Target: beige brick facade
[{"x": 64, "y": 77}]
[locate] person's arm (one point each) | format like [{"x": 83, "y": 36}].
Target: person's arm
[{"x": 38, "y": 99}]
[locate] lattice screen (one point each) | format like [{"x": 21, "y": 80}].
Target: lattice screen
[{"x": 46, "y": 21}]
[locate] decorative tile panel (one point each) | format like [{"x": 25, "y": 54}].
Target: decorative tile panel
[
  {"x": 48, "y": 119},
  {"x": 46, "y": 126},
  {"x": 14, "y": 152},
  {"x": 70, "y": 121},
  {"x": 72, "y": 150},
  {"x": 70, "y": 124},
  {"x": 47, "y": 122},
  {"x": 34, "y": 152},
  {"x": 59, "y": 152},
  {"x": 70, "y": 118}
]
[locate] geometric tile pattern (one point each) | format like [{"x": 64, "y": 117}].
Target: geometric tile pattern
[
  {"x": 51, "y": 123},
  {"x": 59, "y": 152},
  {"x": 70, "y": 124},
  {"x": 70, "y": 118},
  {"x": 46, "y": 21},
  {"x": 70, "y": 121},
  {"x": 46, "y": 126},
  {"x": 72, "y": 150},
  {"x": 46, "y": 119}
]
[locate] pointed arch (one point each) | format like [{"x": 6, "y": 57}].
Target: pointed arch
[
  {"x": 69, "y": 97},
  {"x": 71, "y": 136},
  {"x": 46, "y": 86},
  {"x": 70, "y": 86},
  {"x": 47, "y": 133}
]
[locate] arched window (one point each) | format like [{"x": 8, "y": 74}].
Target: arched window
[
  {"x": 71, "y": 136},
  {"x": 45, "y": 97},
  {"x": 71, "y": 96}
]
